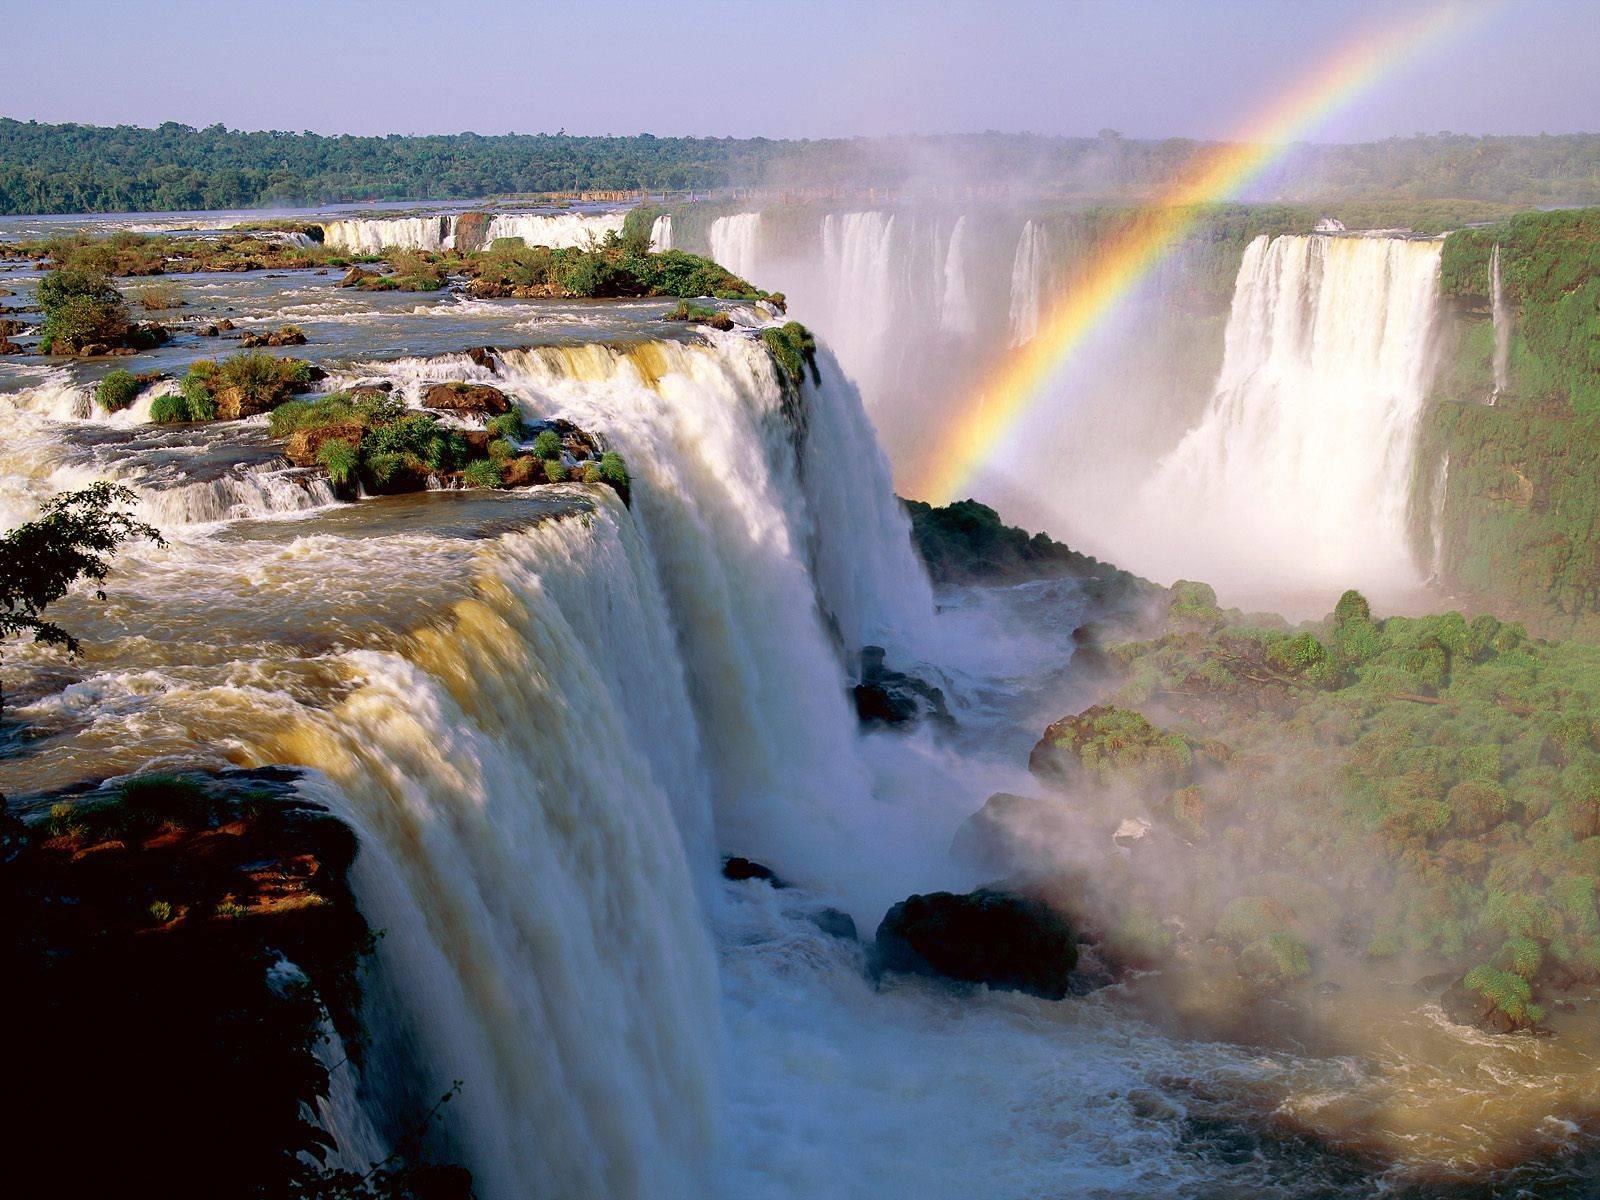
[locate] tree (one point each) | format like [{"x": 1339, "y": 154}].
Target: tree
[{"x": 73, "y": 539}]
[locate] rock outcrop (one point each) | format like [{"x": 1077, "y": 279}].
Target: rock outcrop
[
  {"x": 467, "y": 399},
  {"x": 995, "y": 937},
  {"x": 889, "y": 697}
]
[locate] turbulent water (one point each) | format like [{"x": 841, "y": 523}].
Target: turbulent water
[{"x": 547, "y": 715}]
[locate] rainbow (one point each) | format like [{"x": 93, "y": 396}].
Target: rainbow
[{"x": 1021, "y": 382}]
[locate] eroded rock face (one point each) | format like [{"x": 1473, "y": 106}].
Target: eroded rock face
[
  {"x": 990, "y": 936},
  {"x": 474, "y": 399}
]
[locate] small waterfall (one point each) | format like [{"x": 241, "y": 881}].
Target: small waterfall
[
  {"x": 1501, "y": 315},
  {"x": 562, "y": 230},
  {"x": 1436, "y": 508},
  {"x": 1301, "y": 465},
  {"x": 661, "y": 233},
  {"x": 734, "y": 243},
  {"x": 955, "y": 312},
  {"x": 372, "y": 235},
  {"x": 1029, "y": 279}
]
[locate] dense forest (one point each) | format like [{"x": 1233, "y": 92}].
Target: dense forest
[{"x": 84, "y": 168}]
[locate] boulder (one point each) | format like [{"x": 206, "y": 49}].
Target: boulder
[
  {"x": 355, "y": 276},
  {"x": 989, "y": 936},
  {"x": 209, "y": 331},
  {"x": 1466, "y": 1007},
  {"x": 483, "y": 356},
  {"x": 738, "y": 869},
  {"x": 894, "y": 698},
  {"x": 7, "y": 346},
  {"x": 835, "y": 923},
  {"x": 287, "y": 336},
  {"x": 475, "y": 399}
]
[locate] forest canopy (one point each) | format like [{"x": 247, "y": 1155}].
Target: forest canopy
[{"x": 85, "y": 168}]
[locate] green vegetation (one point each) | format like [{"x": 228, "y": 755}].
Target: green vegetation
[
  {"x": 794, "y": 349},
  {"x": 1106, "y": 744},
  {"x": 1427, "y": 786},
  {"x": 485, "y": 473},
  {"x": 1522, "y": 504},
  {"x": 967, "y": 542},
  {"x": 74, "y": 538},
  {"x": 142, "y": 254},
  {"x": 81, "y": 308},
  {"x": 118, "y": 390},
  {"x": 613, "y": 267},
  {"x": 82, "y": 168},
  {"x": 547, "y": 445},
  {"x": 241, "y": 385}
]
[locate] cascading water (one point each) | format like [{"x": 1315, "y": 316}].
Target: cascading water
[
  {"x": 1300, "y": 470},
  {"x": 1501, "y": 316},
  {"x": 562, "y": 230},
  {"x": 368, "y": 236},
  {"x": 661, "y": 233},
  {"x": 734, "y": 241},
  {"x": 858, "y": 263},
  {"x": 955, "y": 311},
  {"x": 1029, "y": 278}
]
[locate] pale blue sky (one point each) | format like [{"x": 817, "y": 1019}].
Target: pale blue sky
[{"x": 782, "y": 68}]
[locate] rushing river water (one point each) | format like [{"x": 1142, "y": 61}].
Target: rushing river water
[{"x": 548, "y": 714}]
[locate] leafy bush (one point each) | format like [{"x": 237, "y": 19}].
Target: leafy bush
[
  {"x": 547, "y": 445},
  {"x": 483, "y": 473},
  {"x": 341, "y": 459},
  {"x": 80, "y": 307},
  {"x": 793, "y": 349},
  {"x": 168, "y": 410},
  {"x": 509, "y": 426},
  {"x": 554, "y": 472},
  {"x": 117, "y": 390}
]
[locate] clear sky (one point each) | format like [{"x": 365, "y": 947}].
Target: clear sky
[{"x": 780, "y": 68}]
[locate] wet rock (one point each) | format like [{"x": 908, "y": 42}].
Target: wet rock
[
  {"x": 10, "y": 327},
  {"x": 484, "y": 357},
  {"x": 355, "y": 276},
  {"x": 835, "y": 923},
  {"x": 998, "y": 938},
  {"x": 887, "y": 697},
  {"x": 1466, "y": 1007},
  {"x": 475, "y": 399},
  {"x": 304, "y": 444},
  {"x": 209, "y": 331},
  {"x": 287, "y": 336},
  {"x": 225, "y": 325},
  {"x": 737, "y": 869},
  {"x": 7, "y": 346}
]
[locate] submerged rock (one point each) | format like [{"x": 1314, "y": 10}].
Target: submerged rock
[
  {"x": 835, "y": 923},
  {"x": 737, "y": 869},
  {"x": 990, "y": 936}
]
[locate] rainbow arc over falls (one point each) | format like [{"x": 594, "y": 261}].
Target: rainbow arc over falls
[{"x": 1022, "y": 381}]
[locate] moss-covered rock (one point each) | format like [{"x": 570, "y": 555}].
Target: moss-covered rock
[{"x": 1105, "y": 744}]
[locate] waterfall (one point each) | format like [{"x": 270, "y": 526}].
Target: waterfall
[
  {"x": 1300, "y": 467},
  {"x": 371, "y": 235},
  {"x": 858, "y": 264},
  {"x": 661, "y": 233},
  {"x": 955, "y": 311},
  {"x": 1029, "y": 271},
  {"x": 721, "y": 501},
  {"x": 525, "y": 779},
  {"x": 1436, "y": 509},
  {"x": 557, "y": 231},
  {"x": 734, "y": 241},
  {"x": 1501, "y": 316}
]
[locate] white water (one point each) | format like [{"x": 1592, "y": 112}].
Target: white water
[
  {"x": 733, "y": 243},
  {"x": 1030, "y": 268},
  {"x": 562, "y": 230},
  {"x": 661, "y": 233},
  {"x": 1299, "y": 472},
  {"x": 956, "y": 313},
  {"x": 1501, "y": 315},
  {"x": 371, "y": 235}
]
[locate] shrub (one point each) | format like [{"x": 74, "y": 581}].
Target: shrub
[
  {"x": 167, "y": 410},
  {"x": 614, "y": 471},
  {"x": 159, "y": 297},
  {"x": 483, "y": 473},
  {"x": 547, "y": 445},
  {"x": 1506, "y": 990},
  {"x": 793, "y": 349},
  {"x": 117, "y": 390},
  {"x": 341, "y": 459},
  {"x": 507, "y": 425},
  {"x": 554, "y": 472},
  {"x": 502, "y": 450}
]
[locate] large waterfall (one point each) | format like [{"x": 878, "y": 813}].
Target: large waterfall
[
  {"x": 1301, "y": 468},
  {"x": 734, "y": 241},
  {"x": 1029, "y": 272},
  {"x": 1500, "y": 313}
]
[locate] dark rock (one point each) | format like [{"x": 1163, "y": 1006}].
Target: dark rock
[
  {"x": 737, "y": 868},
  {"x": 355, "y": 276},
  {"x": 893, "y": 698},
  {"x": 1435, "y": 983},
  {"x": 835, "y": 923},
  {"x": 1466, "y": 1007},
  {"x": 484, "y": 357},
  {"x": 7, "y": 346},
  {"x": 225, "y": 325},
  {"x": 209, "y": 331},
  {"x": 993, "y": 937}
]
